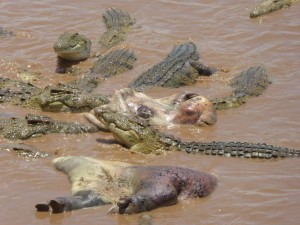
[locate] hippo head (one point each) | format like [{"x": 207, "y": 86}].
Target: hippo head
[
  {"x": 187, "y": 108},
  {"x": 194, "y": 109}
]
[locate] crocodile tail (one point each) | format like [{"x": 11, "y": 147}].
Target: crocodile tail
[{"x": 239, "y": 149}]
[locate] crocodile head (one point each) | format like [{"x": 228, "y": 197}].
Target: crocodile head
[
  {"x": 72, "y": 46},
  {"x": 134, "y": 134},
  {"x": 268, "y": 6}
]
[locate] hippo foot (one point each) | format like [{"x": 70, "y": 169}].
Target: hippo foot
[
  {"x": 57, "y": 206},
  {"x": 125, "y": 204},
  {"x": 130, "y": 205},
  {"x": 42, "y": 207},
  {"x": 120, "y": 208}
]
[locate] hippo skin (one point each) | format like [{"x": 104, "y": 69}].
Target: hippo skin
[
  {"x": 131, "y": 188},
  {"x": 182, "y": 108}
]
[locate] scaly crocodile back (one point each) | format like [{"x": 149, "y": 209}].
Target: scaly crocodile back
[
  {"x": 114, "y": 63},
  {"x": 173, "y": 71},
  {"x": 238, "y": 149},
  {"x": 249, "y": 83}
]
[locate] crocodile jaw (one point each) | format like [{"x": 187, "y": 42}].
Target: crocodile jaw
[{"x": 128, "y": 138}]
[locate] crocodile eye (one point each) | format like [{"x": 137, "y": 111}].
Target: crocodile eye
[
  {"x": 75, "y": 35},
  {"x": 112, "y": 38},
  {"x": 144, "y": 112}
]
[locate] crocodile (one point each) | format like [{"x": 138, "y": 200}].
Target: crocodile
[
  {"x": 23, "y": 150},
  {"x": 248, "y": 84},
  {"x": 131, "y": 188},
  {"x": 72, "y": 46},
  {"x": 16, "y": 92},
  {"x": 74, "y": 96},
  {"x": 268, "y": 6},
  {"x": 140, "y": 137},
  {"x": 117, "y": 22},
  {"x": 64, "y": 98},
  {"x": 32, "y": 125},
  {"x": 57, "y": 98},
  {"x": 179, "y": 68}
]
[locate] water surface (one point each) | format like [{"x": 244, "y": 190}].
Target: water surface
[{"x": 250, "y": 191}]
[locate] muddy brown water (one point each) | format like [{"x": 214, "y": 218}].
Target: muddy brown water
[{"x": 249, "y": 191}]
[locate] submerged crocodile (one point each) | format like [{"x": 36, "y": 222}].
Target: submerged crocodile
[
  {"x": 72, "y": 46},
  {"x": 117, "y": 22},
  {"x": 249, "y": 83},
  {"x": 23, "y": 150},
  {"x": 58, "y": 98},
  {"x": 36, "y": 125},
  {"x": 142, "y": 138},
  {"x": 268, "y": 6},
  {"x": 179, "y": 68}
]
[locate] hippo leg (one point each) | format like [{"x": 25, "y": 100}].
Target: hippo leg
[
  {"x": 82, "y": 199},
  {"x": 147, "y": 199}
]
